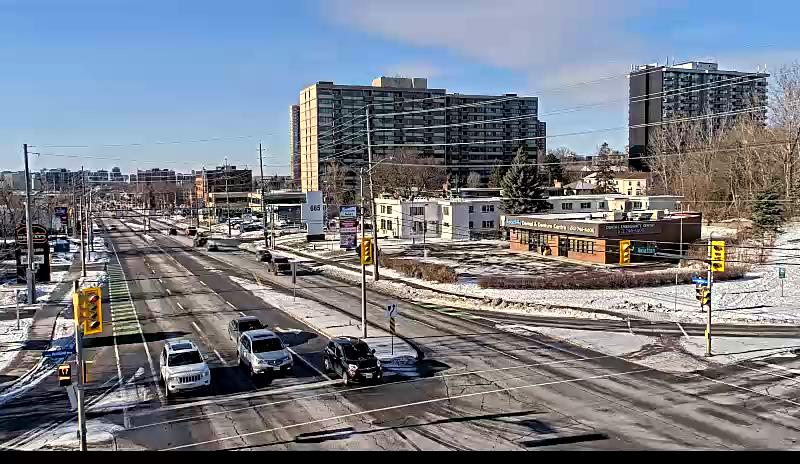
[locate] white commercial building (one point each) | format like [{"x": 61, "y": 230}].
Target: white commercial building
[
  {"x": 445, "y": 218},
  {"x": 612, "y": 202}
]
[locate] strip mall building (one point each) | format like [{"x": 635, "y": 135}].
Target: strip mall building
[{"x": 594, "y": 237}]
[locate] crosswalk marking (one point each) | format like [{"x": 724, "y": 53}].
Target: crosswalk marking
[{"x": 123, "y": 317}]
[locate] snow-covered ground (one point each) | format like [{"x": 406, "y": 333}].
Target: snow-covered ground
[
  {"x": 753, "y": 299},
  {"x": 12, "y": 339}
]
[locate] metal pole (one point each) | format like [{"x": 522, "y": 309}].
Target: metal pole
[
  {"x": 680, "y": 253},
  {"x": 30, "y": 277},
  {"x": 710, "y": 279},
  {"x": 363, "y": 267},
  {"x": 79, "y": 362},
  {"x": 16, "y": 295},
  {"x": 375, "y": 273},
  {"x": 83, "y": 224},
  {"x": 90, "y": 231},
  {"x": 227, "y": 198},
  {"x": 263, "y": 208}
]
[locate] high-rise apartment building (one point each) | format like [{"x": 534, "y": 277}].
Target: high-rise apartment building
[
  {"x": 294, "y": 137},
  {"x": 404, "y": 114},
  {"x": 694, "y": 89}
]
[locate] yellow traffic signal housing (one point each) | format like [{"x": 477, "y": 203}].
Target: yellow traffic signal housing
[
  {"x": 699, "y": 293},
  {"x": 705, "y": 299},
  {"x": 624, "y": 252},
  {"x": 64, "y": 375},
  {"x": 366, "y": 251},
  {"x": 716, "y": 254},
  {"x": 88, "y": 309}
]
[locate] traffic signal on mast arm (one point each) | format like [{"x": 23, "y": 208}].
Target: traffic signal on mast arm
[
  {"x": 366, "y": 251},
  {"x": 705, "y": 300},
  {"x": 717, "y": 255},
  {"x": 699, "y": 292},
  {"x": 91, "y": 310},
  {"x": 624, "y": 252}
]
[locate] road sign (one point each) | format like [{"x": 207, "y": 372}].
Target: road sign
[
  {"x": 57, "y": 353},
  {"x": 391, "y": 310},
  {"x": 64, "y": 375},
  {"x": 781, "y": 272},
  {"x": 391, "y": 326},
  {"x": 700, "y": 281}
]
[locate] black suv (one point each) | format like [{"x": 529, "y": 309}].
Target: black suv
[
  {"x": 352, "y": 359},
  {"x": 277, "y": 264},
  {"x": 243, "y": 324}
]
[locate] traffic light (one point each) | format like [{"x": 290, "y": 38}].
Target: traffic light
[
  {"x": 699, "y": 292},
  {"x": 64, "y": 375},
  {"x": 705, "y": 299},
  {"x": 716, "y": 254},
  {"x": 88, "y": 308},
  {"x": 624, "y": 252},
  {"x": 366, "y": 251}
]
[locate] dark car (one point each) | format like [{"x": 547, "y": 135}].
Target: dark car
[
  {"x": 243, "y": 324},
  {"x": 353, "y": 360},
  {"x": 191, "y": 231},
  {"x": 264, "y": 256},
  {"x": 173, "y": 231},
  {"x": 278, "y": 264}
]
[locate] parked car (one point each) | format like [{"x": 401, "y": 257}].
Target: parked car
[
  {"x": 250, "y": 227},
  {"x": 278, "y": 264},
  {"x": 182, "y": 368},
  {"x": 262, "y": 352},
  {"x": 238, "y": 326},
  {"x": 173, "y": 231},
  {"x": 353, "y": 360},
  {"x": 191, "y": 231},
  {"x": 264, "y": 256}
]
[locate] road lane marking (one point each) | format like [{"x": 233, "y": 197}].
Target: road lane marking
[
  {"x": 180, "y": 305},
  {"x": 160, "y": 281},
  {"x": 169, "y": 292},
  {"x": 782, "y": 368},
  {"x": 501, "y": 352},
  {"x": 201, "y": 280},
  {"x": 141, "y": 332},
  {"x": 750, "y": 390},
  {"x": 292, "y": 388},
  {"x": 629, "y": 326},
  {"x": 242, "y": 314},
  {"x": 681, "y": 327},
  {"x": 196, "y": 327},
  {"x": 220, "y": 357},
  {"x": 305, "y": 361},
  {"x": 405, "y": 405},
  {"x": 231, "y": 305}
]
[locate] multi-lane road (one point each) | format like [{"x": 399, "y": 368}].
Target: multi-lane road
[{"x": 476, "y": 388}]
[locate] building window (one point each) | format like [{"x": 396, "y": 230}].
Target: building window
[
  {"x": 629, "y": 192},
  {"x": 586, "y": 205},
  {"x": 417, "y": 210},
  {"x": 471, "y": 224},
  {"x": 388, "y": 210},
  {"x": 488, "y": 224},
  {"x": 581, "y": 246},
  {"x": 446, "y": 210},
  {"x": 601, "y": 204},
  {"x": 471, "y": 209},
  {"x": 638, "y": 192},
  {"x": 566, "y": 205},
  {"x": 383, "y": 209},
  {"x": 487, "y": 208},
  {"x": 389, "y": 224},
  {"x": 636, "y": 204},
  {"x": 383, "y": 224}
]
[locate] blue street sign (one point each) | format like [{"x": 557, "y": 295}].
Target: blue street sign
[
  {"x": 58, "y": 353},
  {"x": 699, "y": 280}
]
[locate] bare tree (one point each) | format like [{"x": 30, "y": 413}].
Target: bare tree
[
  {"x": 473, "y": 180},
  {"x": 408, "y": 174}
]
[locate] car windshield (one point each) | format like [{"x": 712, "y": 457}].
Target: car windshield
[
  {"x": 244, "y": 326},
  {"x": 263, "y": 345},
  {"x": 281, "y": 260},
  {"x": 185, "y": 358},
  {"x": 356, "y": 351}
]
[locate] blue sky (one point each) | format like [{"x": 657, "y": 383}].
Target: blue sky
[{"x": 114, "y": 72}]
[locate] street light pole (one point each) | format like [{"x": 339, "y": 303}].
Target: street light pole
[
  {"x": 227, "y": 198},
  {"x": 363, "y": 267},
  {"x": 263, "y": 207},
  {"x": 30, "y": 277},
  {"x": 375, "y": 274}
]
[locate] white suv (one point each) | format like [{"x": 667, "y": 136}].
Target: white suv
[
  {"x": 182, "y": 368},
  {"x": 263, "y": 352}
]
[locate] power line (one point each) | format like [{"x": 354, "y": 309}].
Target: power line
[{"x": 172, "y": 142}]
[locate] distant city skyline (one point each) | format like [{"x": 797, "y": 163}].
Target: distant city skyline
[{"x": 89, "y": 77}]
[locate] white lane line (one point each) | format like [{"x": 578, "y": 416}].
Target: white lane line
[
  {"x": 750, "y": 390},
  {"x": 501, "y": 352},
  {"x": 197, "y": 328},
  {"x": 202, "y": 282},
  {"x": 782, "y": 368},
  {"x": 772, "y": 373},
  {"x": 681, "y": 327},
  {"x": 309, "y": 386},
  {"x": 629, "y": 327},
  {"x": 231, "y": 304},
  {"x": 220, "y": 358},
  {"x": 141, "y": 332},
  {"x": 405, "y": 405},
  {"x": 169, "y": 292},
  {"x": 180, "y": 305},
  {"x": 305, "y": 361},
  {"x": 160, "y": 281},
  {"x": 242, "y": 314}
]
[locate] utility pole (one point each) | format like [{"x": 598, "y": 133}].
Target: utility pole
[
  {"x": 79, "y": 362},
  {"x": 363, "y": 267},
  {"x": 83, "y": 223},
  {"x": 30, "y": 277},
  {"x": 710, "y": 278},
  {"x": 376, "y": 257},
  {"x": 263, "y": 208},
  {"x": 227, "y": 198},
  {"x": 90, "y": 230}
]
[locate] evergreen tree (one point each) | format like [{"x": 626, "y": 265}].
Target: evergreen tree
[
  {"x": 522, "y": 191},
  {"x": 604, "y": 174},
  {"x": 767, "y": 212},
  {"x": 552, "y": 168},
  {"x": 496, "y": 179}
]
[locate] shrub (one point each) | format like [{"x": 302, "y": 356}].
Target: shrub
[
  {"x": 607, "y": 279},
  {"x": 420, "y": 270}
]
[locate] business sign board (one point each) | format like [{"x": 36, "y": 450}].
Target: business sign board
[
  {"x": 41, "y": 253},
  {"x": 553, "y": 225},
  {"x": 629, "y": 228},
  {"x": 348, "y": 241},
  {"x": 348, "y": 212},
  {"x": 311, "y": 215},
  {"x": 645, "y": 248}
]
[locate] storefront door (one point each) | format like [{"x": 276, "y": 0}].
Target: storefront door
[{"x": 563, "y": 246}]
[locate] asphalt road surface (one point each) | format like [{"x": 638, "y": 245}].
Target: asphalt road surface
[{"x": 476, "y": 388}]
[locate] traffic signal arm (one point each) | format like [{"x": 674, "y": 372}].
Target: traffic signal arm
[{"x": 625, "y": 250}]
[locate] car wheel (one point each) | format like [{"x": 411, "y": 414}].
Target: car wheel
[
  {"x": 327, "y": 365},
  {"x": 346, "y": 379}
]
